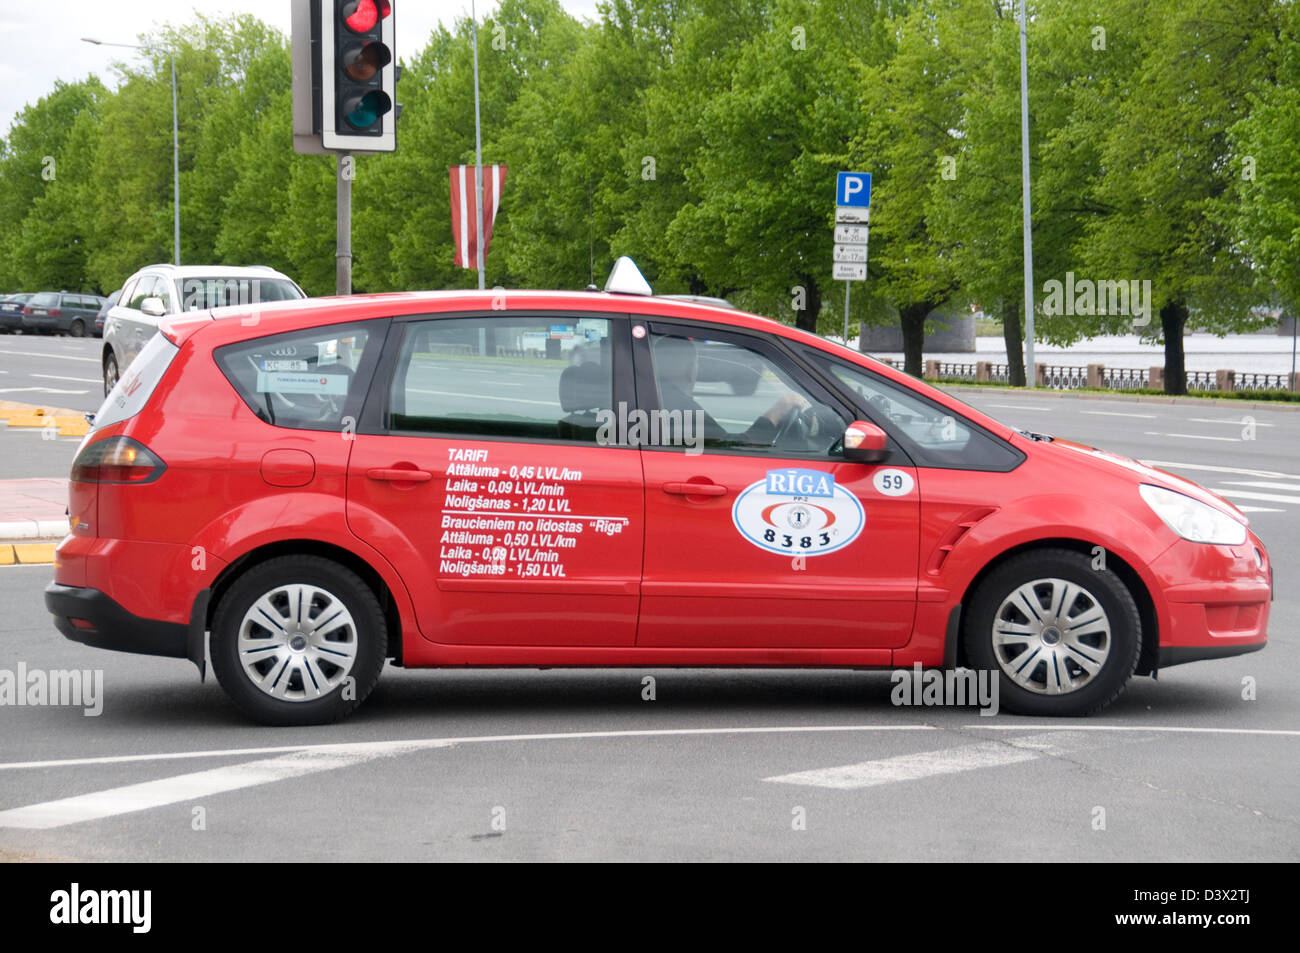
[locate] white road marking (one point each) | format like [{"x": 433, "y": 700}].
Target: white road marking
[
  {"x": 1259, "y": 509},
  {"x": 416, "y": 744},
  {"x": 39, "y": 390},
  {"x": 1223, "y": 420},
  {"x": 1201, "y": 436},
  {"x": 1171, "y": 729},
  {"x": 80, "y": 380},
  {"x": 1264, "y": 485},
  {"x": 292, "y": 761},
  {"x": 1267, "y": 474},
  {"x": 52, "y": 357},
  {"x": 1019, "y": 407},
  {"x": 508, "y": 400},
  {"x": 185, "y": 787},
  {"x": 1263, "y": 497},
  {"x": 1113, "y": 413},
  {"x": 910, "y": 767}
]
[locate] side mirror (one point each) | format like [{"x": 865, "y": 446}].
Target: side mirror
[
  {"x": 865, "y": 443},
  {"x": 153, "y": 307}
]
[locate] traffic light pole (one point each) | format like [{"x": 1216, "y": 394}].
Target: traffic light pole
[{"x": 343, "y": 254}]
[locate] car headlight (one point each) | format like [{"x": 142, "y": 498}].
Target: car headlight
[{"x": 1192, "y": 519}]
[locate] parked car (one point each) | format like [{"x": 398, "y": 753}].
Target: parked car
[
  {"x": 11, "y": 312},
  {"x": 308, "y": 489},
  {"x": 61, "y": 312},
  {"x": 103, "y": 312},
  {"x": 162, "y": 290}
]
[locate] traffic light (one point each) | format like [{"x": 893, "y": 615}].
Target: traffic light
[{"x": 354, "y": 109}]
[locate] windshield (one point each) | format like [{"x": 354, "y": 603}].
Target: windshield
[{"x": 204, "y": 293}]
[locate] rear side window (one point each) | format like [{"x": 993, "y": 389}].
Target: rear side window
[
  {"x": 304, "y": 380},
  {"x": 134, "y": 388},
  {"x": 542, "y": 378}
]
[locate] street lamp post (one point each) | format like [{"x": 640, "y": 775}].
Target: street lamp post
[{"x": 176, "y": 146}]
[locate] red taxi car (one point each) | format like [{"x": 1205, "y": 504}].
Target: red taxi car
[{"x": 305, "y": 491}]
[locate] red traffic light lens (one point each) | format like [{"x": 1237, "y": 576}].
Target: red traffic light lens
[
  {"x": 362, "y": 15},
  {"x": 362, "y": 112},
  {"x": 362, "y": 62}
]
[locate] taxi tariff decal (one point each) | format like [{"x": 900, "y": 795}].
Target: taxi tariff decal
[{"x": 798, "y": 511}]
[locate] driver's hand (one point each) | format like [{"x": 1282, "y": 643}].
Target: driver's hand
[{"x": 785, "y": 404}]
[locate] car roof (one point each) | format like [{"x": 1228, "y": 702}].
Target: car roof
[
  {"x": 215, "y": 271},
  {"x": 299, "y": 314}
]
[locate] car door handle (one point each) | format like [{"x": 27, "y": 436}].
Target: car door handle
[
  {"x": 695, "y": 489},
  {"x": 398, "y": 475}
]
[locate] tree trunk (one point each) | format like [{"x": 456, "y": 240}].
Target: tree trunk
[
  {"x": 806, "y": 320},
  {"x": 1173, "y": 318},
  {"x": 911, "y": 318},
  {"x": 1014, "y": 337}
]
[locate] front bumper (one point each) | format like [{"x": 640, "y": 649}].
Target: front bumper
[
  {"x": 1215, "y": 600},
  {"x": 103, "y": 624}
]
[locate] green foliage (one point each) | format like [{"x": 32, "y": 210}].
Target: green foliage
[{"x": 701, "y": 137}]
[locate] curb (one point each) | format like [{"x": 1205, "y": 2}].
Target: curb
[
  {"x": 27, "y": 554},
  {"x": 68, "y": 423},
  {"x": 1121, "y": 395},
  {"x": 24, "y": 529}
]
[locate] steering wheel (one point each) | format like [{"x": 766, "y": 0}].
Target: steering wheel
[{"x": 794, "y": 426}]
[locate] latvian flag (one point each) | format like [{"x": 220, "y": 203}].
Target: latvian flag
[{"x": 464, "y": 212}]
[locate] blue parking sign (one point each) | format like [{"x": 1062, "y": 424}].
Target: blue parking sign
[{"x": 853, "y": 189}]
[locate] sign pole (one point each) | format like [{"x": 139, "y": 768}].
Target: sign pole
[
  {"x": 852, "y": 213},
  {"x": 846, "y": 312}
]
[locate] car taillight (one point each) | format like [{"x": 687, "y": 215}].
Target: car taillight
[
  {"x": 55, "y": 312},
  {"x": 117, "y": 460}
]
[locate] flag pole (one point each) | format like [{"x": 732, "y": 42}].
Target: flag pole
[{"x": 478, "y": 150}]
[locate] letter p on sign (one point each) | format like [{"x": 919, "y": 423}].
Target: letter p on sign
[{"x": 853, "y": 189}]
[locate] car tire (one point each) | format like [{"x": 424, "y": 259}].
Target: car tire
[
  {"x": 268, "y": 655},
  {"x": 111, "y": 372},
  {"x": 1062, "y": 637},
  {"x": 77, "y": 328}
]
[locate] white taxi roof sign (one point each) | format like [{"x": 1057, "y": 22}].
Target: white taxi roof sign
[{"x": 626, "y": 278}]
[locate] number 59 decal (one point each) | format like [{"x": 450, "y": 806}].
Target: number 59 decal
[{"x": 893, "y": 482}]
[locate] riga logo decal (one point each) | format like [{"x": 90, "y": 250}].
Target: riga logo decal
[{"x": 798, "y": 511}]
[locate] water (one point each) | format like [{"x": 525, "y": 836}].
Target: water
[{"x": 1245, "y": 353}]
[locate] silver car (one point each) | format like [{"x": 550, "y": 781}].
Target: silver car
[{"x": 157, "y": 291}]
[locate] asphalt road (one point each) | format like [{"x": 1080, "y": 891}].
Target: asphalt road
[
  {"x": 44, "y": 369},
  {"x": 753, "y": 765}
]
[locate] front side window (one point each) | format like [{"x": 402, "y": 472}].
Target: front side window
[
  {"x": 144, "y": 288},
  {"x": 539, "y": 378},
  {"x": 305, "y": 380},
  {"x": 932, "y": 435},
  {"x": 738, "y": 396}
]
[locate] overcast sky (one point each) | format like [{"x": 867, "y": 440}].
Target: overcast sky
[{"x": 44, "y": 36}]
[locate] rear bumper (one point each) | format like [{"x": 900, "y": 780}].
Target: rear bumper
[
  {"x": 1178, "y": 654},
  {"x": 106, "y": 625}
]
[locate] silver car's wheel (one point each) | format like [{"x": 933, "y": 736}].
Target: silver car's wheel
[
  {"x": 110, "y": 373},
  {"x": 1051, "y": 636},
  {"x": 297, "y": 643}
]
